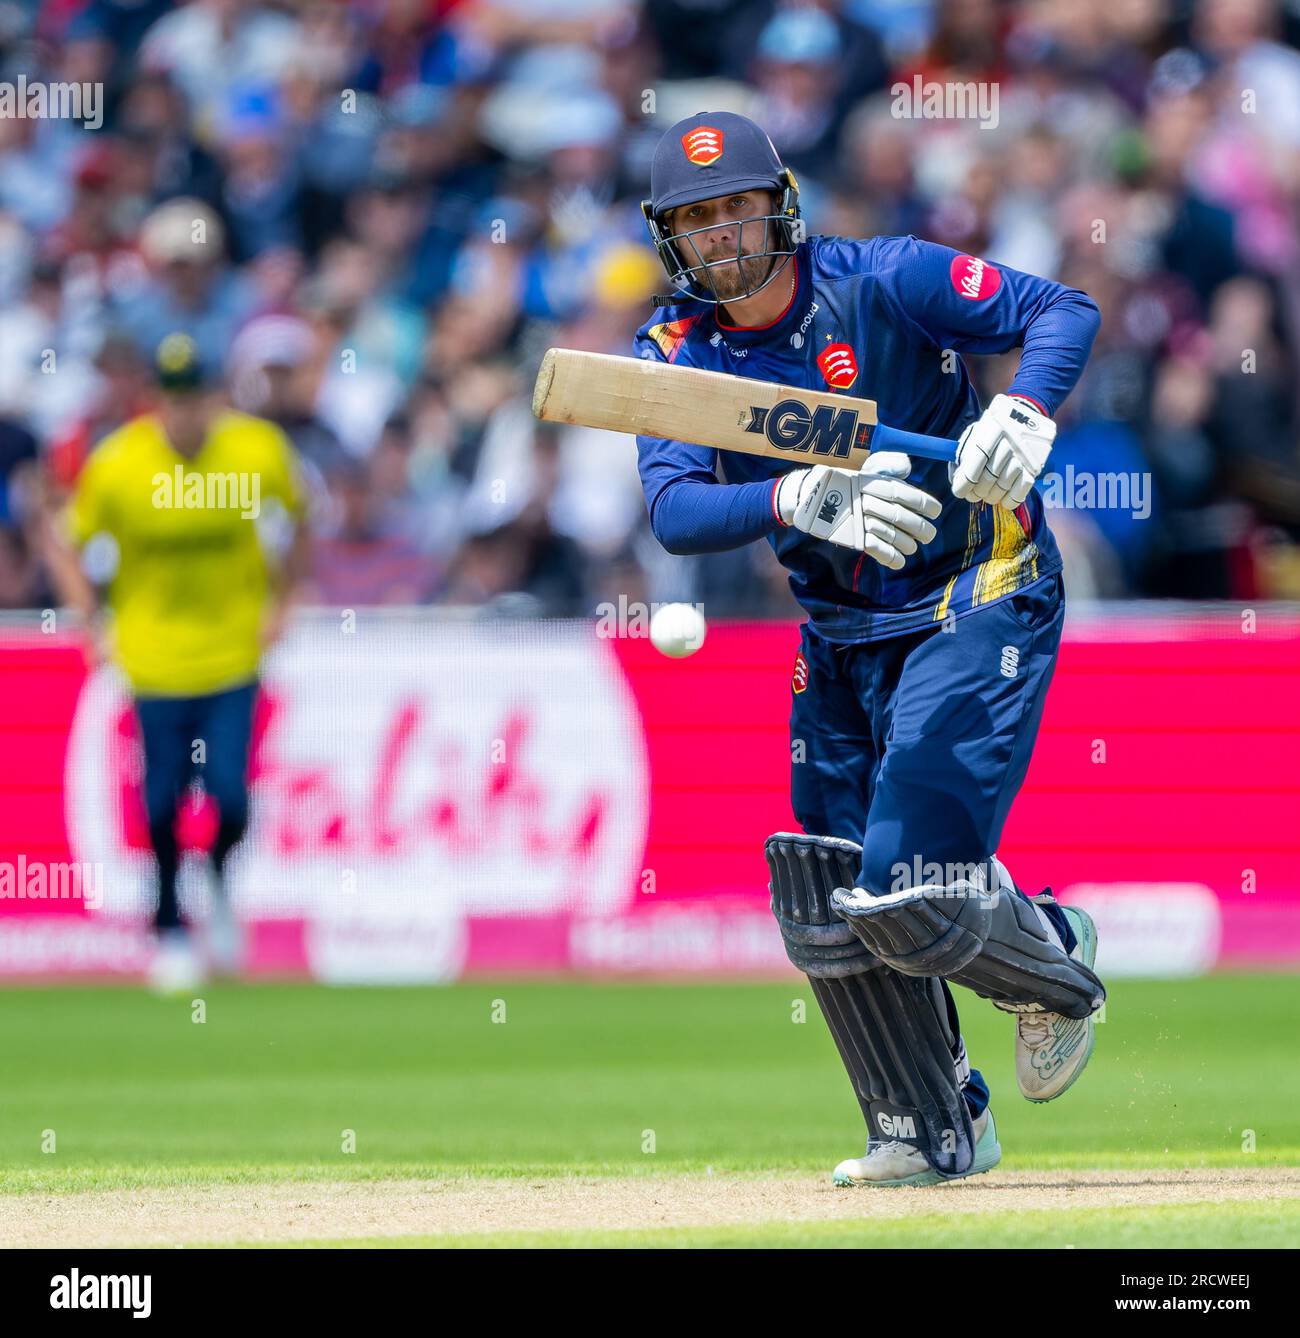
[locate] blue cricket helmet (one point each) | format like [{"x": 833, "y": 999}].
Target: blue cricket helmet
[{"x": 707, "y": 155}]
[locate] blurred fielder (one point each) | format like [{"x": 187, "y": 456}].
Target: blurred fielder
[
  {"x": 932, "y": 631},
  {"x": 190, "y": 518}
]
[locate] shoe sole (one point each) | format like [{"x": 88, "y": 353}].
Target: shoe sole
[
  {"x": 1086, "y": 932},
  {"x": 988, "y": 1152}
]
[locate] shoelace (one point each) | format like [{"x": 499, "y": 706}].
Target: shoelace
[{"x": 1034, "y": 1030}]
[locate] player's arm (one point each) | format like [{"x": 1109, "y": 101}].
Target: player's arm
[
  {"x": 691, "y": 510},
  {"x": 76, "y": 537},
  {"x": 960, "y": 302}
]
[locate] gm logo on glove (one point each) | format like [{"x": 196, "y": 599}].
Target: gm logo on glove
[{"x": 831, "y": 504}]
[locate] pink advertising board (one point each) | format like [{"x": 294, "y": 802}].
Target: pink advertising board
[{"x": 438, "y": 797}]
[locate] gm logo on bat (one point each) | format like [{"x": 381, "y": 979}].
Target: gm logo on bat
[{"x": 826, "y": 430}]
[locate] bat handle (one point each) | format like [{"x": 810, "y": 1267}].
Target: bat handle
[{"x": 913, "y": 443}]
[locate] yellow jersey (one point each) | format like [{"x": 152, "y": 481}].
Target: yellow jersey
[{"x": 193, "y": 577}]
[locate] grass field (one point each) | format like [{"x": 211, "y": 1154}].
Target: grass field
[{"x": 632, "y": 1114}]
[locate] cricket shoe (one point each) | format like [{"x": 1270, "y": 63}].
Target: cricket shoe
[
  {"x": 1051, "y": 1049},
  {"x": 175, "y": 968},
  {"x": 892, "y": 1163}
]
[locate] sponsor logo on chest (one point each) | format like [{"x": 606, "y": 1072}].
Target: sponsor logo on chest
[
  {"x": 716, "y": 340},
  {"x": 797, "y": 339}
]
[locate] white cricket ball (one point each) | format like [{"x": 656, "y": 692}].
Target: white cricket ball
[{"x": 677, "y": 630}]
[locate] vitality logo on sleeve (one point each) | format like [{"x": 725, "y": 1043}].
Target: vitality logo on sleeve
[{"x": 973, "y": 278}]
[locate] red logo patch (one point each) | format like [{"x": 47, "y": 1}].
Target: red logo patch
[
  {"x": 974, "y": 278},
  {"x": 703, "y": 145},
  {"x": 799, "y": 678},
  {"x": 839, "y": 366}
]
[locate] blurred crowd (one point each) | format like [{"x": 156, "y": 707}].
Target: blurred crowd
[{"x": 401, "y": 203}]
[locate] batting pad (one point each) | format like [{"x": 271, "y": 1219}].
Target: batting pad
[
  {"x": 993, "y": 942},
  {"x": 892, "y": 1031}
]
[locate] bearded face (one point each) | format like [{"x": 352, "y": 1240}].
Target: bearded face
[
  {"x": 741, "y": 271},
  {"x": 729, "y": 235}
]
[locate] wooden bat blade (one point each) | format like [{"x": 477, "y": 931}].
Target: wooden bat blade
[{"x": 730, "y": 413}]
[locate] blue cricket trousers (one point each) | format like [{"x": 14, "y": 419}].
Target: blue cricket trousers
[{"x": 915, "y": 746}]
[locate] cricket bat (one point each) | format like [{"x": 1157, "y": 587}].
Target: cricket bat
[{"x": 731, "y": 413}]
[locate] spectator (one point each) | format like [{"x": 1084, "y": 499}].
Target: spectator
[
  {"x": 274, "y": 368},
  {"x": 359, "y": 560},
  {"x": 191, "y": 290}
]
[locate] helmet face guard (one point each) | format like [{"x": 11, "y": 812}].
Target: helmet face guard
[{"x": 779, "y": 236}]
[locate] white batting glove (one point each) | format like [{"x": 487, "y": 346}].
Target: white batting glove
[
  {"x": 871, "y": 510},
  {"x": 1000, "y": 456}
]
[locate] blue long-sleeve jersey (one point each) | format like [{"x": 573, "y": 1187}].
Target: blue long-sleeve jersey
[{"x": 882, "y": 319}]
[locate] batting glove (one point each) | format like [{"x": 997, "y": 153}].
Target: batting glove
[
  {"x": 1000, "y": 456},
  {"x": 871, "y": 510}
]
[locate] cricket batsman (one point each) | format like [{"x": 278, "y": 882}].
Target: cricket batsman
[
  {"x": 190, "y": 520},
  {"x": 935, "y": 605}
]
